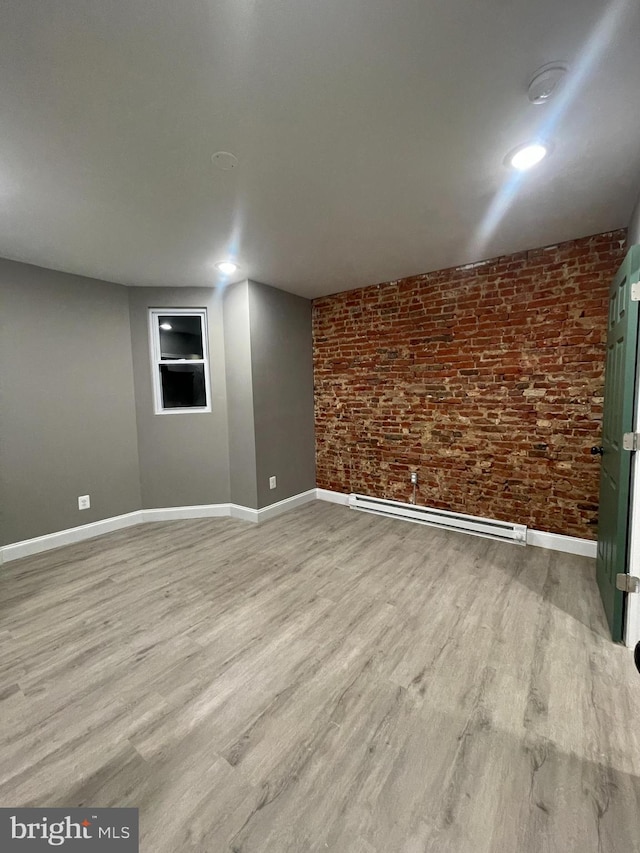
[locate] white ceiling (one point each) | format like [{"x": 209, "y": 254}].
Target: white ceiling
[{"x": 370, "y": 134}]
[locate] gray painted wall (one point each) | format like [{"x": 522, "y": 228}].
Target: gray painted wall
[
  {"x": 242, "y": 439},
  {"x": 183, "y": 457},
  {"x": 67, "y": 416},
  {"x": 76, "y": 401},
  {"x": 633, "y": 234},
  {"x": 282, "y": 379}
]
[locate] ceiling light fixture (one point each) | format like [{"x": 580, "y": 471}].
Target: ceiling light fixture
[
  {"x": 527, "y": 156},
  {"x": 226, "y": 267},
  {"x": 166, "y": 326}
]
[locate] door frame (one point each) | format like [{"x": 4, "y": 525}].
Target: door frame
[{"x": 632, "y": 608}]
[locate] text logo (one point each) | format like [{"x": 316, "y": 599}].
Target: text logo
[{"x": 86, "y": 830}]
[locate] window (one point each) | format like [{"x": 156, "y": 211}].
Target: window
[{"x": 179, "y": 360}]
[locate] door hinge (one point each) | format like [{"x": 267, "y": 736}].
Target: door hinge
[
  {"x": 635, "y": 291},
  {"x": 627, "y": 583},
  {"x": 631, "y": 441}
]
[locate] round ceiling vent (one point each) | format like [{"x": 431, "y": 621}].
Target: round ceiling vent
[
  {"x": 545, "y": 82},
  {"x": 224, "y": 161}
]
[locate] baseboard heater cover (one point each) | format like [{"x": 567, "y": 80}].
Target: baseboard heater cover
[{"x": 473, "y": 524}]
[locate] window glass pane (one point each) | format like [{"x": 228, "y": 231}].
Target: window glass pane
[
  {"x": 182, "y": 385},
  {"x": 180, "y": 337}
]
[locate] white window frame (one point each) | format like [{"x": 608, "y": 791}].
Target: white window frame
[{"x": 157, "y": 360}]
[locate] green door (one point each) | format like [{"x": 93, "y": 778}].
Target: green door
[{"x": 619, "y": 406}]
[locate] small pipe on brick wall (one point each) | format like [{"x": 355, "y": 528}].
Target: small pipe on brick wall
[{"x": 414, "y": 480}]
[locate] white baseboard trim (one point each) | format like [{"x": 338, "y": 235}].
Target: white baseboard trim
[
  {"x": 538, "y": 538},
  {"x": 258, "y": 515},
  {"x": 244, "y": 513},
  {"x": 273, "y": 510},
  {"x": 180, "y": 513},
  {"x": 558, "y": 542},
  {"x": 332, "y": 497},
  {"x": 29, "y": 547}
]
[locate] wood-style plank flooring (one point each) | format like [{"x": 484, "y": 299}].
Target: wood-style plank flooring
[{"x": 326, "y": 681}]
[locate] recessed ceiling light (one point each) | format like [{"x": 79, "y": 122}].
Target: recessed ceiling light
[
  {"x": 545, "y": 82},
  {"x": 527, "y": 156},
  {"x": 166, "y": 326},
  {"x": 227, "y": 267}
]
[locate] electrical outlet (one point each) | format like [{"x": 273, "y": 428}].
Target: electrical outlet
[
  {"x": 84, "y": 502},
  {"x": 414, "y": 478},
  {"x": 272, "y": 482}
]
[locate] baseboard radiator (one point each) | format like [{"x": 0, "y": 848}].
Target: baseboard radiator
[{"x": 487, "y": 527}]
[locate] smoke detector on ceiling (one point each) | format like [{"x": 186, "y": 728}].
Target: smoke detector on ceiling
[
  {"x": 545, "y": 82},
  {"x": 224, "y": 161}
]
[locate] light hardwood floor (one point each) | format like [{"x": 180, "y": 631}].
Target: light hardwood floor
[{"x": 328, "y": 680}]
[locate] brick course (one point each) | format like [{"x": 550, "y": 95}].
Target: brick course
[{"x": 487, "y": 380}]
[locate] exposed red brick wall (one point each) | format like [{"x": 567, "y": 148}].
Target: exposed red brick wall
[{"x": 486, "y": 380}]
